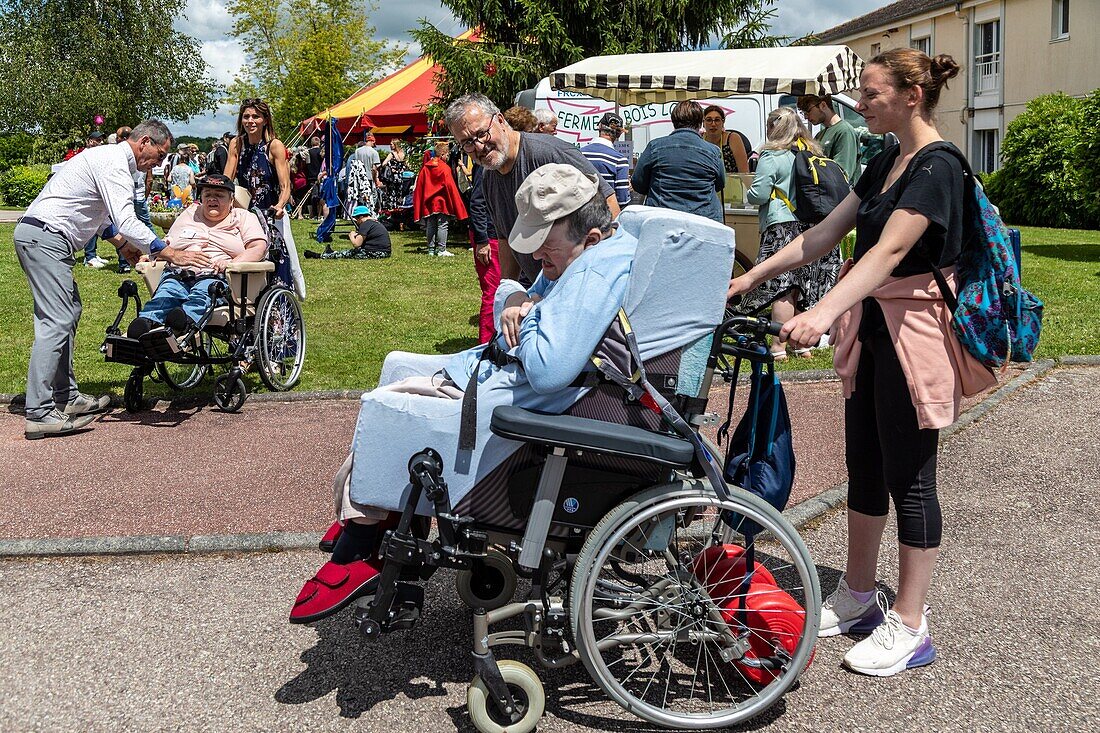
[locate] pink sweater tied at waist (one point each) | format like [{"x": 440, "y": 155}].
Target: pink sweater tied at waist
[{"x": 938, "y": 370}]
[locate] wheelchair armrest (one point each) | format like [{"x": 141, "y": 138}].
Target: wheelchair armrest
[
  {"x": 567, "y": 431},
  {"x": 250, "y": 267}
]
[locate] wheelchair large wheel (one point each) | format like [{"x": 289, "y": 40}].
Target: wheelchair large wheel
[
  {"x": 185, "y": 375},
  {"x": 280, "y": 338},
  {"x": 652, "y": 636}
]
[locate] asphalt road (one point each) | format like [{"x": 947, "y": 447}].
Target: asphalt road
[{"x": 200, "y": 643}]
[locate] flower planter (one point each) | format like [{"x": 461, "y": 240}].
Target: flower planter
[{"x": 163, "y": 219}]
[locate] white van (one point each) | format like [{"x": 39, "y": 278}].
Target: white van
[{"x": 578, "y": 114}]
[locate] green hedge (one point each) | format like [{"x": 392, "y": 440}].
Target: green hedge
[
  {"x": 21, "y": 184},
  {"x": 1049, "y": 172}
]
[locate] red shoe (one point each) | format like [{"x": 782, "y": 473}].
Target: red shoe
[
  {"x": 329, "y": 540},
  {"x": 333, "y": 587}
]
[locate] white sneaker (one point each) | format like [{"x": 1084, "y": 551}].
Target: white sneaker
[
  {"x": 843, "y": 614},
  {"x": 97, "y": 262},
  {"x": 445, "y": 253},
  {"x": 892, "y": 647}
]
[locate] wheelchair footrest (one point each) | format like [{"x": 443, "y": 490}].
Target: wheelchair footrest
[
  {"x": 125, "y": 350},
  {"x": 406, "y": 603}
]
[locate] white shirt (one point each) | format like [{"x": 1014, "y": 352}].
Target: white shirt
[{"x": 93, "y": 189}]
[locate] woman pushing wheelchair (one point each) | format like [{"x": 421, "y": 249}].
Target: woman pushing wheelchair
[{"x": 903, "y": 370}]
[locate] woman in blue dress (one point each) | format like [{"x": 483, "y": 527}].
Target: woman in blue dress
[{"x": 258, "y": 160}]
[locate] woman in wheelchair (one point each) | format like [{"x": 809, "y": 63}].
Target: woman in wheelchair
[{"x": 204, "y": 239}]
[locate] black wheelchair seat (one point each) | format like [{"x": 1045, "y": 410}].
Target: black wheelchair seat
[{"x": 567, "y": 431}]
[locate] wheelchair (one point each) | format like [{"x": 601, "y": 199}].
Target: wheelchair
[
  {"x": 254, "y": 318},
  {"x": 635, "y": 549}
]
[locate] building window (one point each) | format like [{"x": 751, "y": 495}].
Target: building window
[
  {"x": 1059, "y": 27},
  {"x": 924, "y": 45},
  {"x": 987, "y": 58},
  {"x": 876, "y": 49},
  {"x": 986, "y": 150}
]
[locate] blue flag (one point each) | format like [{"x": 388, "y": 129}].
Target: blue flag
[{"x": 334, "y": 157}]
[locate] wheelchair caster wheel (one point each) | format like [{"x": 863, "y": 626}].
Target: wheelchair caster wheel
[
  {"x": 370, "y": 629},
  {"x": 229, "y": 392},
  {"x": 489, "y": 583},
  {"x": 526, "y": 690},
  {"x": 133, "y": 397}
]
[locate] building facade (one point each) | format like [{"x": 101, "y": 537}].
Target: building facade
[{"x": 1010, "y": 51}]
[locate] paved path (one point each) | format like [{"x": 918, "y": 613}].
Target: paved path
[
  {"x": 267, "y": 469},
  {"x": 200, "y": 642}
]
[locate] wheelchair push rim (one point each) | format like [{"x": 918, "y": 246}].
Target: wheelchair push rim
[
  {"x": 652, "y": 637},
  {"x": 280, "y": 339}
]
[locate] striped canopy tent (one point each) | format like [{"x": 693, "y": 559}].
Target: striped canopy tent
[
  {"x": 642, "y": 78},
  {"x": 391, "y": 108}
]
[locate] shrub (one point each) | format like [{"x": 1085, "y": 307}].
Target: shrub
[
  {"x": 1088, "y": 155},
  {"x": 1041, "y": 182},
  {"x": 21, "y": 184},
  {"x": 15, "y": 149}
]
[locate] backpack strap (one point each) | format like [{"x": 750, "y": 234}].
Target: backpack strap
[{"x": 949, "y": 296}]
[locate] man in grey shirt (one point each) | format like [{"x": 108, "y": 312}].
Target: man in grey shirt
[
  {"x": 92, "y": 194},
  {"x": 509, "y": 157}
]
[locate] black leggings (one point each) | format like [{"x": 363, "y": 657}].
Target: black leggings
[{"x": 888, "y": 455}]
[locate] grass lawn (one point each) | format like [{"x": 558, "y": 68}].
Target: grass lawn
[{"x": 357, "y": 311}]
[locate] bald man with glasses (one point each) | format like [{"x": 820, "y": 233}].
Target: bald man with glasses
[{"x": 509, "y": 157}]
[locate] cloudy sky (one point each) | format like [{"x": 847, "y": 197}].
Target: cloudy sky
[{"x": 208, "y": 21}]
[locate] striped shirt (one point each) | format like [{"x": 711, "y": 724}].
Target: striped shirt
[
  {"x": 611, "y": 165},
  {"x": 91, "y": 192}
]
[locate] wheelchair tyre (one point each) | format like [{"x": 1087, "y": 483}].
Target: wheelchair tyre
[
  {"x": 185, "y": 375},
  {"x": 229, "y": 392},
  {"x": 133, "y": 396},
  {"x": 649, "y": 633},
  {"x": 489, "y": 583},
  {"x": 526, "y": 690},
  {"x": 280, "y": 338}
]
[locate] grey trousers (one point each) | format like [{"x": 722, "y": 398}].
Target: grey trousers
[
  {"x": 436, "y": 226},
  {"x": 47, "y": 259}
]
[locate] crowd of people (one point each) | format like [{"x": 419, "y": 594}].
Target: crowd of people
[{"x": 537, "y": 206}]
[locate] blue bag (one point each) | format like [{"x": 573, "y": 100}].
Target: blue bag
[
  {"x": 994, "y": 317},
  {"x": 760, "y": 456}
]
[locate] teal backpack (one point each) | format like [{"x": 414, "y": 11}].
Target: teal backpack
[{"x": 995, "y": 318}]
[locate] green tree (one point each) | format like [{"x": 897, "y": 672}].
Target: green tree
[
  {"x": 1042, "y": 179},
  {"x": 521, "y": 41},
  {"x": 305, "y": 55},
  {"x": 65, "y": 61}
]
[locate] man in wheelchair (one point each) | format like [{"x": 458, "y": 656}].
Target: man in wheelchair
[
  {"x": 203, "y": 240},
  {"x": 547, "y": 335}
]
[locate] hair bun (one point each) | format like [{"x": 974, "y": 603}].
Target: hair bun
[{"x": 944, "y": 67}]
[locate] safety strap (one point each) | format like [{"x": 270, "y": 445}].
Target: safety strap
[{"x": 467, "y": 429}]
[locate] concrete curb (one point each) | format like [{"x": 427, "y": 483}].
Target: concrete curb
[{"x": 799, "y": 515}]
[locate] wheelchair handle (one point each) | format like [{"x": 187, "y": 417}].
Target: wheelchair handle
[
  {"x": 128, "y": 289},
  {"x": 752, "y": 324}
]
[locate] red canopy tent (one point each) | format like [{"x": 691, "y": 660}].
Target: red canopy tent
[{"x": 391, "y": 108}]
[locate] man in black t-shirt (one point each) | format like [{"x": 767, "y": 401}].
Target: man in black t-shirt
[
  {"x": 370, "y": 240},
  {"x": 508, "y": 157},
  {"x": 219, "y": 156}
]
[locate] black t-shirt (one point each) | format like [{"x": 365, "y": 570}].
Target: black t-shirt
[
  {"x": 375, "y": 237},
  {"x": 935, "y": 189},
  {"x": 313, "y": 166}
]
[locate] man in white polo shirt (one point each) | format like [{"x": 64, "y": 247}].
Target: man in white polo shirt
[{"x": 91, "y": 194}]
